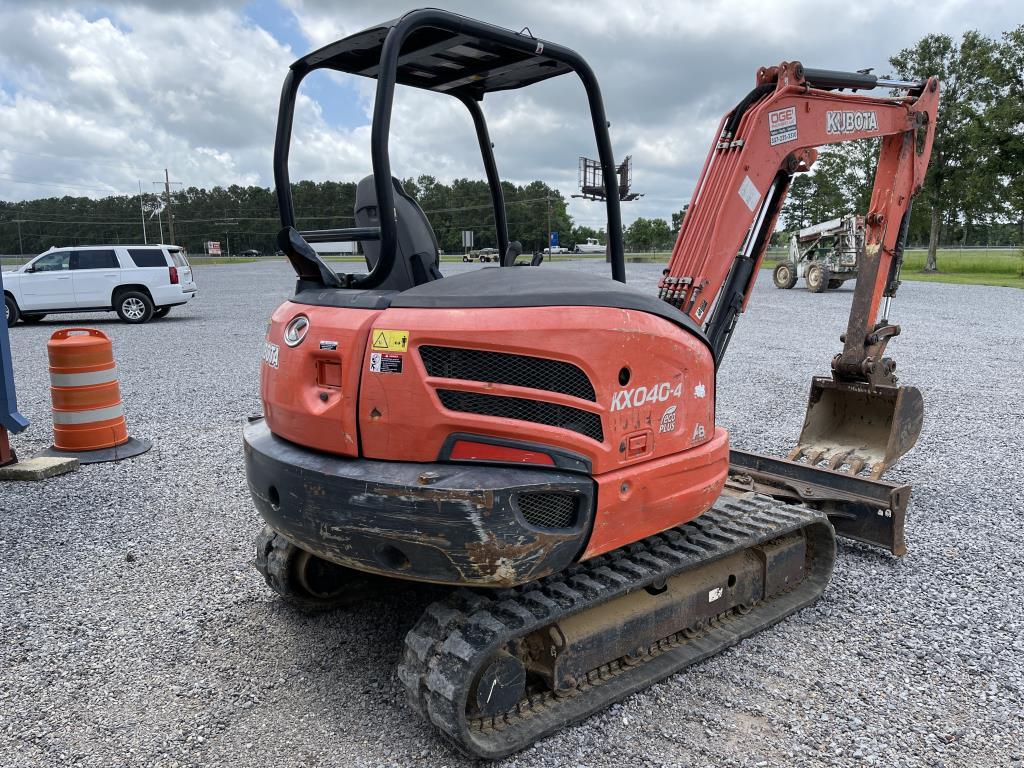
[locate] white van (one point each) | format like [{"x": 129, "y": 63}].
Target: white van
[{"x": 136, "y": 281}]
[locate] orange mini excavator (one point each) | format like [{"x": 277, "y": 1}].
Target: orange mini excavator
[{"x": 544, "y": 440}]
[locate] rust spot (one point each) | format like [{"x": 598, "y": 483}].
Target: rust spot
[
  {"x": 314, "y": 489},
  {"x": 505, "y": 563}
]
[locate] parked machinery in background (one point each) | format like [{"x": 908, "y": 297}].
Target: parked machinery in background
[{"x": 826, "y": 255}]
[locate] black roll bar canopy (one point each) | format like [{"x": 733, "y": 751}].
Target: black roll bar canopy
[{"x": 439, "y": 51}]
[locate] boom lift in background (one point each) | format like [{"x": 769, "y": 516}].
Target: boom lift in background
[
  {"x": 544, "y": 440},
  {"x": 825, "y": 255}
]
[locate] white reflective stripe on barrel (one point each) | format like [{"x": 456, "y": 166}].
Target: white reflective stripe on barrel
[
  {"x": 86, "y": 417},
  {"x": 83, "y": 379}
]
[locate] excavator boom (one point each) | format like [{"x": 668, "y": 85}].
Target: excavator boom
[{"x": 771, "y": 135}]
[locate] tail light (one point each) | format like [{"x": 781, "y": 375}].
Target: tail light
[
  {"x": 173, "y": 271},
  {"x": 467, "y": 450}
]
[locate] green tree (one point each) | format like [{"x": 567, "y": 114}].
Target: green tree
[
  {"x": 648, "y": 235},
  {"x": 962, "y": 137},
  {"x": 1007, "y": 120}
]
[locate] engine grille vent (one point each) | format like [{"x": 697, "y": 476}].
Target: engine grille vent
[
  {"x": 539, "y": 412},
  {"x": 514, "y": 370},
  {"x": 548, "y": 510}
]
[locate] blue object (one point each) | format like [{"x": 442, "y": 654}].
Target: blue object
[
  {"x": 554, "y": 239},
  {"x": 10, "y": 419}
]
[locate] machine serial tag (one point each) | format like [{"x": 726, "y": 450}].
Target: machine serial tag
[{"x": 390, "y": 341}]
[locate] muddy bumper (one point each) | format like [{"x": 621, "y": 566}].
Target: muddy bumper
[{"x": 444, "y": 523}]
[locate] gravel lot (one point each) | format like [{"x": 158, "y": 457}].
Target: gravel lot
[{"x": 134, "y": 630}]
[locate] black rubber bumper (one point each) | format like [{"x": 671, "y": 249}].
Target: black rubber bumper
[{"x": 443, "y": 523}]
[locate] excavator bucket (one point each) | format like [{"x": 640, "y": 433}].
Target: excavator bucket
[{"x": 858, "y": 428}]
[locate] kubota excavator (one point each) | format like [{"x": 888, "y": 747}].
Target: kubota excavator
[{"x": 544, "y": 440}]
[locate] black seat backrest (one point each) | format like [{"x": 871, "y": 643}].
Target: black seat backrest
[{"x": 417, "y": 256}]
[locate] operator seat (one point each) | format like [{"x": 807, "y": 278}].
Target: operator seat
[{"x": 417, "y": 256}]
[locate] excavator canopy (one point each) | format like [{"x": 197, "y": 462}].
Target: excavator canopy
[
  {"x": 439, "y": 51},
  {"x": 457, "y": 58}
]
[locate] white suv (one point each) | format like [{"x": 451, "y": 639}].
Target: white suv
[{"x": 136, "y": 281}]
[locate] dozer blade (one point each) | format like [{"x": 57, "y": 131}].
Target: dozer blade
[
  {"x": 859, "y": 508},
  {"x": 858, "y": 428}
]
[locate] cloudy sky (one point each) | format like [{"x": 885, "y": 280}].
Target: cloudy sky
[{"x": 95, "y": 97}]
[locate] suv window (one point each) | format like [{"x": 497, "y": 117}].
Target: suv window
[
  {"x": 52, "y": 262},
  {"x": 179, "y": 258},
  {"x": 148, "y": 257},
  {"x": 94, "y": 259}
]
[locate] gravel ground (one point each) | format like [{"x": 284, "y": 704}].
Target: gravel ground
[{"x": 134, "y": 630}]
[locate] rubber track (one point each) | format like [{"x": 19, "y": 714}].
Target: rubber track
[{"x": 455, "y": 637}]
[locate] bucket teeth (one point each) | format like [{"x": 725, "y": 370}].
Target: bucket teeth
[
  {"x": 858, "y": 428},
  {"x": 838, "y": 459}
]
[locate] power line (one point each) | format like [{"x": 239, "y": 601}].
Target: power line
[
  {"x": 16, "y": 180},
  {"x": 80, "y": 158},
  {"x": 230, "y": 215}
]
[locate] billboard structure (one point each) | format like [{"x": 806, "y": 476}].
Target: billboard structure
[{"x": 591, "y": 180}]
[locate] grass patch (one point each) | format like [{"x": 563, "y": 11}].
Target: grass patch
[
  {"x": 1002, "y": 262},
  {"x": 205, "y": 261},
  {"x": 1000, "y": 279}
]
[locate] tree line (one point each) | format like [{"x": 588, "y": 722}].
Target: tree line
[
  {"x": 247, "y": 218},
  {"x": 973, "y": 194}
]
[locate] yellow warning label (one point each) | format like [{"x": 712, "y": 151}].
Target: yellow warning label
[{"x": 391, "y": 341}]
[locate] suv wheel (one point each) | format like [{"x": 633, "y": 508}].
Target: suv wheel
[
  {"x": 10, "y": 310},
  {"x": 134, "y": 307}
]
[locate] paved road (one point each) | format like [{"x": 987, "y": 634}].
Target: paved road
[{"x": 134, "y": 630}]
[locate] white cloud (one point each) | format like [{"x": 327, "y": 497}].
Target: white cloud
[{"x": 97, "y": 99}]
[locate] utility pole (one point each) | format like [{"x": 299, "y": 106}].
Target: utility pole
[
  {"x": 170, "y": 212},
  {"x": 166, "y": 184},
  {"x": 226, "y": 223},
  {"x": 551, "y": 248},
  {"x": 142, "y": 213},
  {"x": 21, "y": 247}
]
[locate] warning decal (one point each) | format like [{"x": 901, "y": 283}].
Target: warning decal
[
  {"x": 782, "y": 126},
  {"x": 749, "y": 194},
  {"x": 384, "y": 363},
  {"x": 390, "y": 341}
]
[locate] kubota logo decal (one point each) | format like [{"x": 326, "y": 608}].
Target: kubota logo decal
[
  {"x": 850, "y": 122},
  {"x": 659, "y": 393}
]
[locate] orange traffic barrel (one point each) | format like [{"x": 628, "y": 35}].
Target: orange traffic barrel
[{"x": 88, "y": 415}]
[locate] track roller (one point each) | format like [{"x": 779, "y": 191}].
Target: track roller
[{"x": 307, "y": 582}]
